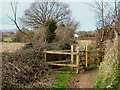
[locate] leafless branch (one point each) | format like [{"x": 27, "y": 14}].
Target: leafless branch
[
  {"x": 14, "y": 19},
  {"x": 14, "y": 66}
]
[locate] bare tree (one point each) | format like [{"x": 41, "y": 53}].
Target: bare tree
[
  {"x": 105, "y": 15},
  {"x": 14, "y": 19},
  {"x": 117, "y": 17},
  {"x": 39, "y": 12}
]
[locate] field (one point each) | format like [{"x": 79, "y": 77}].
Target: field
[
  {"x": 7, "y": 39},
  {"x": 10, "y": 47}
]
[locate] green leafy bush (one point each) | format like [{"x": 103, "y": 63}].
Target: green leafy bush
[{"x": 50, "y": 26}]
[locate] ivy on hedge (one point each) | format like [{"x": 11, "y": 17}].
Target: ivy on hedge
[{"x": 108, "y": 78}]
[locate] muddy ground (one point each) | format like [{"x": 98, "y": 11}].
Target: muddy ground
[{"x": 84, "y": 80}]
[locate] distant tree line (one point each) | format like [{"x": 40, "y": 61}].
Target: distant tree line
[
  {"x": 87, "y": 33},
  {"x": 7, "y": 34}
]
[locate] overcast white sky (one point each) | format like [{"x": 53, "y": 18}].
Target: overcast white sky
[{"x": 80, "y": 11}]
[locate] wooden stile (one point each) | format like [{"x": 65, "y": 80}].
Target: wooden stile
[
  {"x": 85, "y": 55},
  {"x": 45, "y": 55}
]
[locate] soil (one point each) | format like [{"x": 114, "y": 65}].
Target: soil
[
  {"x": 83, "y": 80},
  {"x": 11, "y": 47}
]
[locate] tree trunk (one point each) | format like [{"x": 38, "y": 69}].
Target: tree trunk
[{"x": 119, "y": 29}]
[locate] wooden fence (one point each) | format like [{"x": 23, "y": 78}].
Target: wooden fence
[{"x": 76, "y": 57}]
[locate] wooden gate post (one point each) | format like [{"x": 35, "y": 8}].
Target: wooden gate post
[
  {"x": 99, "y": 56},
  {"x": 86, "y": 55},
  {"x": 77, "y": 60},
  {"x": 44, "y": 55},
  {"x": 72, "y": 56}
]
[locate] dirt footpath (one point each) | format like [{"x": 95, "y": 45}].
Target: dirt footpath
[{"x": 84, "y": 80}]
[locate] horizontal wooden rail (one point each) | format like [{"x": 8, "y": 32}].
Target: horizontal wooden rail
[
  {"x": 63, "y": 50},
  {"x": 64, "y": 68},
  {"x": 60, "y": 61},
  {"x": 58, "y": 52},
  {"x": 71, "y": 65},
  {"x": 91, "y": 51},
  {"x": 63, "y": 71}
]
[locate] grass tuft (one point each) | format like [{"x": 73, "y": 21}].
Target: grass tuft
[{"x": 62, "y": 79}]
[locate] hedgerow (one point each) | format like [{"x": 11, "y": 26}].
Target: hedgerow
[{"x": 109, "y": 74}]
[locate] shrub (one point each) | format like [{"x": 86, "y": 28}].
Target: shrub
[
  {"x": 64, "y": 33},
  {"x": 23, "y": 68},
  {"x": 50, "y": 27},
  {"x": 17, "y": 37},
  {"x": 20, "y": 37},
  {"x": 38, "y": 35},
  {"x": 91, "y": 66}
]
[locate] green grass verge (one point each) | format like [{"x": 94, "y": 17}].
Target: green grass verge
[
  {"x": 109, "y": 74},
  {"x": 62, "y": 79},
  {"x": 7, "y": 39}
]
